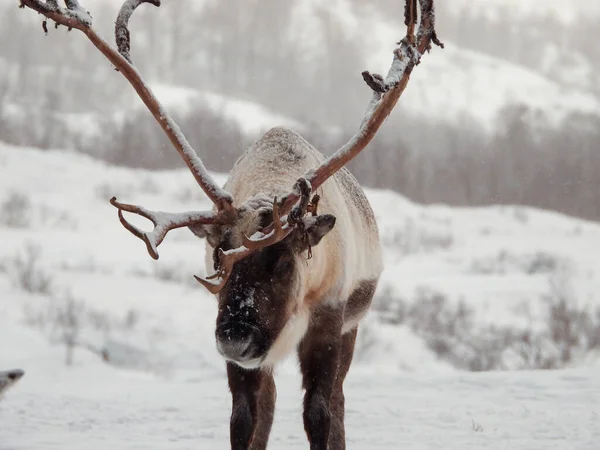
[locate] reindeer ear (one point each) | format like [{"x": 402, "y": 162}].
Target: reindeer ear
[
  {"x": 318, "y": 226},
  {"x": 201, "y": 231},
  {"x": 208, "y": 232}
]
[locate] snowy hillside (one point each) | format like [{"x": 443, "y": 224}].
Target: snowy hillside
[
  {"x": 457, "y": 84},
  {"x": 152, "y": 319},
  {"x": 453, "y": 86},
  {"x": 251, "y": 118},
  {"x": 63, "y": 253},
  {"x": 57, "y": 225}
]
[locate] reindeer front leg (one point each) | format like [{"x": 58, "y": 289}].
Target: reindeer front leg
[
  {"x": 319, "y": 360},
  {"x": 253, "y": 403}
]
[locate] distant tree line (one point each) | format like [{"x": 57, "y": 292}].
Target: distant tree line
[
  {"x": 556, "y": 169},
  {"x": 48, "y": 89}
]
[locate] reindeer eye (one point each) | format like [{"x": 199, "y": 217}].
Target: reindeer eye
[
  {"x": 265, "y": 218},
  {"x": 284, "y": 265}
]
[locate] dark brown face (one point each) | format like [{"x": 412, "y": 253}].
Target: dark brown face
[
  {"x": 255, "y": 303},
  {"x": 262, "y": 292}
]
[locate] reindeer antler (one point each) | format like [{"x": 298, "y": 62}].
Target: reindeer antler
[
  {"x": 386, "y": 93},
  {"x": 281, "y": 229},
  {"x": 163, "y": 222},
  {"x": 74, "y": 16}
]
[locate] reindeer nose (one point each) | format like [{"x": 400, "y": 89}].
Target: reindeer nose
[
  {"x": 235, "y": 340},
  {"x": 15, "y": 374}
]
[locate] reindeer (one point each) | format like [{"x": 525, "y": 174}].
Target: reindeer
[
  {"x": 292, "y": 239},
  {"x": 8, "y": 378}
]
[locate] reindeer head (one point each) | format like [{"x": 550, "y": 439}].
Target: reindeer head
[
  {"x": 256, "y": 251},
  {"x": 261, "y": 296}
]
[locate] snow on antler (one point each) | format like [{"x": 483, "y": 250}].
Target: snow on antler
[
  {"x": 121, "y": 25},
  {"x": 163, "y": 223},
  {"x": 386, "y": 93},
  {"x": 75, "y": 18}
]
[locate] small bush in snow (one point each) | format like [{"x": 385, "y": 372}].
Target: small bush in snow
[
  {"x": 390, "y": 307},
  {"x": 15, "y": 211},
  {"x": 521, "y": 215},
  {"x": 67, "y": 321},
  {"x": 504, "y": 262},
  {"x": 419, "y": 237},
  {"x": 27, "y": 272},
  {"x": 187, "y": 195},
  {"x": 132, "y": 318},
  {"x": 569, "y": 332},
  {"x": 449, "y": 330},
  {"x": 150, "y": 186},
  {"x": 172, "y": 273},
  {"x": 573, "y": 328},
  {"x": 56, "y": 218},
  {"x": 477, "y": 427},
  {"x": 542, "y": 262},
  {"x": 60, "y": 318},
  {"x": 169, "y": 273},
  {"x": 66, "y": 318}
]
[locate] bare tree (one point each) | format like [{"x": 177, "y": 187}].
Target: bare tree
[{"x": 67, "y": 316}]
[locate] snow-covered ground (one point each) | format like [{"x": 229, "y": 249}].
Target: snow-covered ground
[
  {"x": 98, "y": 408},
  {"x": 62, "y": 249}
]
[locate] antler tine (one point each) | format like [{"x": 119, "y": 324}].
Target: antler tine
[
  {"x": 122, "y": 36},
  {"x": 72, "y": 17},
  {"x": 304, "y": 188},
  {"x": 386, "y": 93},
  {"x": 226, "y": 261},
  {"x": 75, "y": 17},
  {"x": 280, "y": 230},
  {"x": 277, "y": 231},
  {"x": 410, "y": 19},
  {"x": 163, "y": 223}
]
